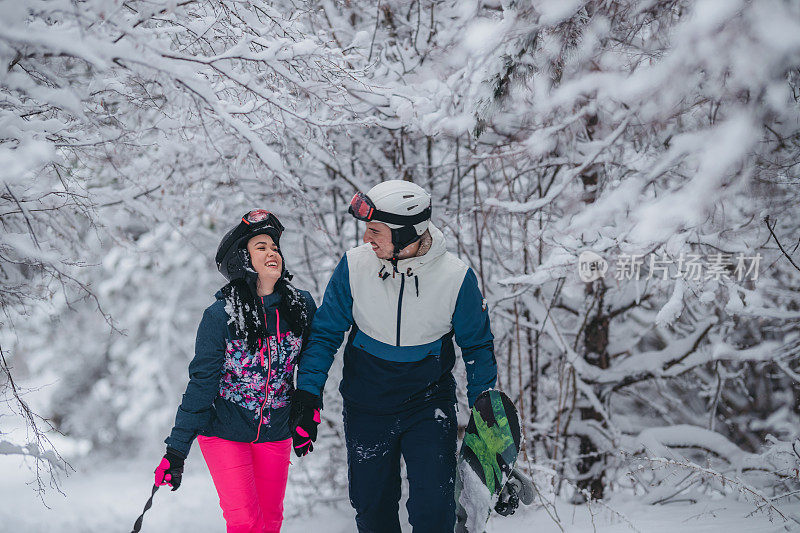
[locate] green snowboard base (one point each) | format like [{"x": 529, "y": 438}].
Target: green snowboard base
[{"x": 486, "y": 460}]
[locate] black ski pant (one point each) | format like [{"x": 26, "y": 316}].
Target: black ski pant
[{"x": 426, "y": 439}]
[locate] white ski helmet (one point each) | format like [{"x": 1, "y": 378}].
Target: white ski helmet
[{"x": 403, "y": 206}]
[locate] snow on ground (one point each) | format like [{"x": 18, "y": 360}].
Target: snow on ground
[{"x": 110, "y": 495}]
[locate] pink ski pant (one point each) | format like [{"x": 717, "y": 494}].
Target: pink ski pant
[{"x": 250, "y": 480}]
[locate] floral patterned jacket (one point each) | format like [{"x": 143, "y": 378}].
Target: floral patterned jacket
[{"x": 234, "y": 393}]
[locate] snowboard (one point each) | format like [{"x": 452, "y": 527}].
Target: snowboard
[{"x": 486, "y": 476}]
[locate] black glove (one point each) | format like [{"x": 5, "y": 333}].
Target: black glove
[
  {"x": 170, "y": 470},
  {"x": 304, "y": 419}
]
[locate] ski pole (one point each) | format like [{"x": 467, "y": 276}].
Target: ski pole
[{"x": 137, "y": 526}]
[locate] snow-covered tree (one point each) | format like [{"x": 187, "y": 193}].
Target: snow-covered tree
[
  {"x": 662, "y": 136},
  {"x": 120, "y": 125}
]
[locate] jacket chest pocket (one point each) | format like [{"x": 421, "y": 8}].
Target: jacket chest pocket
[{"x": 284, "y": 356}]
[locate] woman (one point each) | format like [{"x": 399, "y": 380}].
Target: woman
[{"x": 241, "y": 380}]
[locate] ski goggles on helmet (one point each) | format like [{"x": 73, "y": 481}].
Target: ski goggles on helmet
[
  {"x": 261, "y": 218},
  {"x": 364, "y": 209},
  {"x": 361, "y": 207}
]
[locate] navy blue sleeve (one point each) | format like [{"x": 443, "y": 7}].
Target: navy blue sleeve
[
  {"x": 331, "y": 321},
  {"x": 474, "y": 335},
  {"x": 205, "y": 369}
]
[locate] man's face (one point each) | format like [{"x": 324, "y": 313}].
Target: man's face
[{"x": 379, "y": 236}]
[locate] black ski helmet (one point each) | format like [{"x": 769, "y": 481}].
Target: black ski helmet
[{"x": 233, "y": 260}]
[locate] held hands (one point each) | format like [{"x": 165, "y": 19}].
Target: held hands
[
  {"x": 303, "y": 420},
  {"x": 170, "y": 470}
]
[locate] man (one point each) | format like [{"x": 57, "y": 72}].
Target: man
[{"x": 403, "y": 296}]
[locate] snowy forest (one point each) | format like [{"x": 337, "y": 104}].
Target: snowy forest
[{"x": 623, "y": 177}]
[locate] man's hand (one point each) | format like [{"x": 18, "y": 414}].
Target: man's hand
[{"x": 303, "y": 420}]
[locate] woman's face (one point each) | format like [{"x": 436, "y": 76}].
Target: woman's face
[{"x": 265, "y": 257}]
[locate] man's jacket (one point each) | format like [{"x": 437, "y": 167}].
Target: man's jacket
[{"x": 399, "y": 352}]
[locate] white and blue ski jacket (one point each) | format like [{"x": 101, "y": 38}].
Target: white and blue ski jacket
[{"x": 400, "y": 351}]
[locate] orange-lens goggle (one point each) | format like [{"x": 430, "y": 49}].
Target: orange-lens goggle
[
  {"x": 361, "y": 207},
  {"x": 256, "y": 215},
  {"x": 262, "y": 217}
]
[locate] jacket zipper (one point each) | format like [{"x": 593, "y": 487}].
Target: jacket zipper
[
  {"x": 400, "y": 305},
  {"x": 269, "y": 370}
]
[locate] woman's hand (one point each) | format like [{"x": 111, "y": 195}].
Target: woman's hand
[
  {"x": 303, "y": 420},
  {"x": 170, "y": 470}
]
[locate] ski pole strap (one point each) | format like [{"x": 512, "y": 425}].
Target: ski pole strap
[{"x": 137, "y": 526}]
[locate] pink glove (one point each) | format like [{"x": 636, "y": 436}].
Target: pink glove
[{"x": 170, "y": 470}]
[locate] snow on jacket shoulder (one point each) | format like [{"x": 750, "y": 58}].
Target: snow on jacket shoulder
[
  {"x": 400, "y": 348},
  {"x": 234, "y": 393}
]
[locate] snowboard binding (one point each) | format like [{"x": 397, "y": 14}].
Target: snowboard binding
[
  {"x": 508, "y": 502},
  {"x": 519, "y": 487}
]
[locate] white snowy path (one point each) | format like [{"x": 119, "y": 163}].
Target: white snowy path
[{"x": 109, "y": 498}]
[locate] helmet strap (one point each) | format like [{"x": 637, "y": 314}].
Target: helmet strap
[
  {"x": 285, "y": 274},
  {"x": 402, "y": 237}
]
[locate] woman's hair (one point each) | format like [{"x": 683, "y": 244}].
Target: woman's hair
[{"x": 243, "y": 308}]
